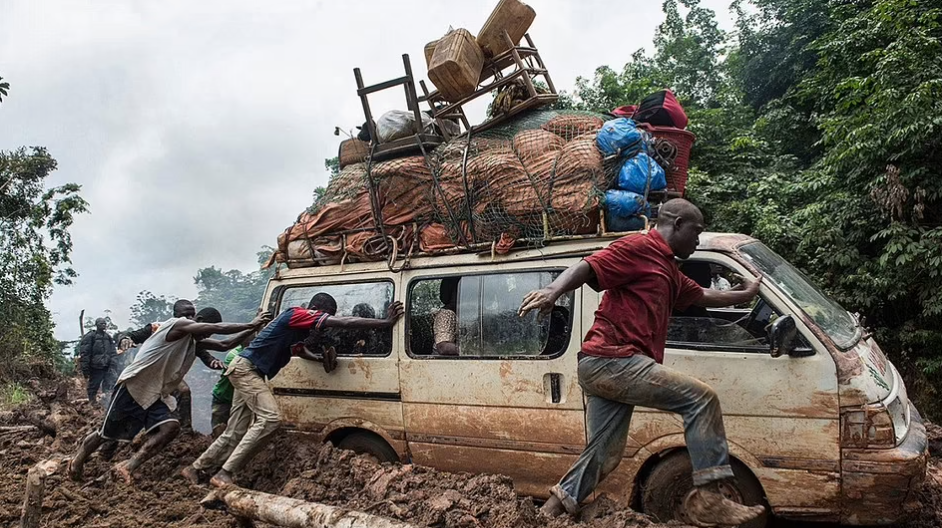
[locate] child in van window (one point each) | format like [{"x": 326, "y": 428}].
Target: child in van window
[
  {"x": 359, "y": 341},
  {"x": 445, "y": 321}
]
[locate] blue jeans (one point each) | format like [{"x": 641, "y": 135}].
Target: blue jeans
[{"x": 613, "y": 386}]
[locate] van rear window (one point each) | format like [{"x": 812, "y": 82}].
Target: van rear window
[{"x": 359, "y": 299}]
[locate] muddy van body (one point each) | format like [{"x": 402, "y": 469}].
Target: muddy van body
[{"x": 819, "y": 423}]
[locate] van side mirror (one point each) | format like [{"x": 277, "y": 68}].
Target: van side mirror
[{"x": 782, "y": 336}]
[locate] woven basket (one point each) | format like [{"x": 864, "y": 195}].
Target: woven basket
[
  {"x": 682, "y": 141},
  {"x": 353, "y": 151}
]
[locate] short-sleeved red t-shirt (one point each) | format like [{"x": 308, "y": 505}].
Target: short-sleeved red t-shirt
[{"x": 642, "y": 286}]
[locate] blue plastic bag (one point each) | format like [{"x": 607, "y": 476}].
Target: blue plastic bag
[
  {"x": 619, "y": 136},
  {"x": 634, "y": 175},
  {"x": 622, "y": 209}
]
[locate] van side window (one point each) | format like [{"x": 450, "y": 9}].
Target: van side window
[
  {"x": 738, "y": 328},
  {"x": 361, "y": 299},
  {"x": 476, "y": 316}
]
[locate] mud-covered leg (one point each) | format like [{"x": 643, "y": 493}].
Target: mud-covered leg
[
  {"x": 155, "y": 442},
  {"x": 86, "y": 448}
]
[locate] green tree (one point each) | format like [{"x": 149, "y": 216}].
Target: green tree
[
  {"x": 4, "y": 89},
  {"x": 817, "y": 130},
  {"x": 35, "y": 249},
  {"x": 873, "y": 224},
  {"x": 149, "y": 308},
  {"x": 235, "y": 294},
  {"x": 89, "y": 323},
  {"x": 332, "y": 165}
]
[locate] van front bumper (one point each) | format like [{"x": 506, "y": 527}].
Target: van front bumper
[{"x": 878, "y": 483}]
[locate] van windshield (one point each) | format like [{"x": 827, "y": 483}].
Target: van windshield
[{"x": 833, "y": 320}]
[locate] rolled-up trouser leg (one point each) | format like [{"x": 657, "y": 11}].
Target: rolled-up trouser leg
[{"x": 640, "y": 381}]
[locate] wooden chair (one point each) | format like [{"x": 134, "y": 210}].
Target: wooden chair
[{"x": 420, "y": 140}]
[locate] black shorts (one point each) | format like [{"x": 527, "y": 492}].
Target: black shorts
[{"x": 126, "y": 417}]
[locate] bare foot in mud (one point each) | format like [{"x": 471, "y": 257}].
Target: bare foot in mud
[
  {"x": 221, "y": 479},
  {"x": 124, "y": 472},
  {"x": 75, "y": 471},
  {"x": 191, "y": 474}
]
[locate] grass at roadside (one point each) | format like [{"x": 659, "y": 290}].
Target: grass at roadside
[{"x": 13, "y": 395}]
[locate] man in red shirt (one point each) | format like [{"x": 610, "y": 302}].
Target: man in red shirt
[{"x": 620, "y": 364}]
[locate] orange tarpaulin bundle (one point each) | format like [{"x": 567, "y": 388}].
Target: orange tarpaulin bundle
[{"x": 542, "y": 171}]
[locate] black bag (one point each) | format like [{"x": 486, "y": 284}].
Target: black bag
[{"x": 661, "y": 109}]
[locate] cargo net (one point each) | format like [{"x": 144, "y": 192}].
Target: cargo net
[{"x": 539, "y": 175}]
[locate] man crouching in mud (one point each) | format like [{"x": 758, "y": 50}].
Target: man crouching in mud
[
  {"x": 142, "y": 399},
  {"x": 620, "y": 365}
]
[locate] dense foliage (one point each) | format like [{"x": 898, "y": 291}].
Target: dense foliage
[
  {"x": 236, "y": 295},
  {"x": 34, "y": 256},
  {"x": 149, "y": 308},
  {"x": 818, "y": 129}
]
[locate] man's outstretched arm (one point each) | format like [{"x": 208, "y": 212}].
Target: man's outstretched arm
[
  {"x": 226, "y": 344},
  {"x": 186, "y": 327},
  {"x": 395, "y": 312},
  {"x": 722, "y": 299},
  {"x": 544, "y": 299}
]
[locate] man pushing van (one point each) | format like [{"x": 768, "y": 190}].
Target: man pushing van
[
  {"x": 620, "y": 365},
  {"x": 142, "y": 397},
  {"x": 254, "y": 415}
]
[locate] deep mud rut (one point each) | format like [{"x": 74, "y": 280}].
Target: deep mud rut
[{"x": 294, "y": 467}]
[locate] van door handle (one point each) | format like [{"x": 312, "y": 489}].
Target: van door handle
[{"x": 553, "y": 387}]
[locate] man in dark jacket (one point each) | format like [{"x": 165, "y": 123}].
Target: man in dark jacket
[{"x": 96, "y": 352}]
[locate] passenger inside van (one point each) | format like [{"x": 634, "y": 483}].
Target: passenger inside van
[
  {"x": 445, "y": 320},
  {"x": 358, "y": 342}
]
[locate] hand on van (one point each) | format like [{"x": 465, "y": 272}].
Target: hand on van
[
  {"x": 262, "y": 319},
  {"x": 721, "y": 299},
  {"x": 328, "y": 357},
  {"x": 541, "y": 300},
  {"x": 544, "y": 299}
]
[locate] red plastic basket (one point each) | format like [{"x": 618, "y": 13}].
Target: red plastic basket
[{"x": 682, "y": 141}]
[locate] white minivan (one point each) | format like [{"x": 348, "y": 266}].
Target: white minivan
[{"x": 819, "y": 424}]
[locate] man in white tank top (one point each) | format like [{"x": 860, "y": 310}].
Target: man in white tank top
[{"x": 142, "y": 397}]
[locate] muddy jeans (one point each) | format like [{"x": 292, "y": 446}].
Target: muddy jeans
[
  {"x": 613, "y": 387},
  {"x": 253, "y": 418}
]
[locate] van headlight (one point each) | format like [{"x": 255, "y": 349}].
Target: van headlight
[
  {"x": 878, "y": 425},
  {"x": 869, "y": 426}
]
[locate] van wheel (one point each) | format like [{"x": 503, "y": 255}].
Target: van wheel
[
  {"x": 672, "y": 478},
  {"x": 365, "y": 443}
]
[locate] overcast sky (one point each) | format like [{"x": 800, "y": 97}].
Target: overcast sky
[{"x": 199, "y": 129}]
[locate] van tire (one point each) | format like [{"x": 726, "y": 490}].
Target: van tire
[
  {"x": 366, "y": 443},
  {"x": 667, "y": 485}
]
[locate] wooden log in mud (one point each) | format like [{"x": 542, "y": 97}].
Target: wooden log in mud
[
  {"x": 292, "y": 513},
  {"x": 17, "y": 428},
  {"x": 35, "y": 490}
]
